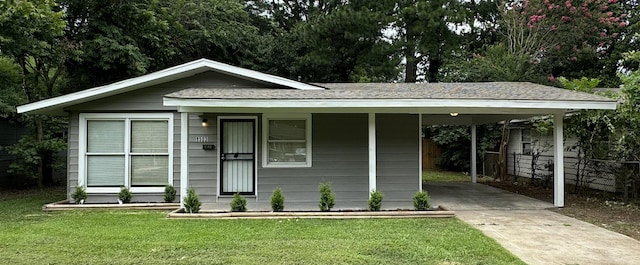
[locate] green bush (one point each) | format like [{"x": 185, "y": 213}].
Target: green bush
[
  {"x": 327, "y": 198},
  {"x": 239, "y": 203},
  {"x": 421, "y": 201},
  {"x": 169, "y": 193},
  {"x": 375, "y": 201},
  {"x": 79, "y": 195},
  {"x": 125, "y": 195},
  {"x": 192, "y": 202},
  {"x": 277, "y": 200}
]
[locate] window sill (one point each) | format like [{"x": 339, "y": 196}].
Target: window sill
[
  {"x": 284, "y": 166},
  {"x": 134, "y": 190}
]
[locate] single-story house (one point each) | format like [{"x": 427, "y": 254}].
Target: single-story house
[{"x": 223, "y": 129}]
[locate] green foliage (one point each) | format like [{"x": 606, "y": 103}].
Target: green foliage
[
  {"x": 169, "y": 193},
  {"x": 456, "y": 143},
  {"x": 566, "y": 39},
  {"x": 327, "y": 197},
  {"x": 375, "y": 200},
  {"x": 125, "y": 195},
  {"x": 239, "y": 203},
  {"x": 494, "y": 63},
  {"x": 277, "y": 200},
  {"x": 192, "y": 202},
  {"x": 79, "y": 194},
  {"x": 426, "y": 37},
  {"x": 421, "y": 201},
  {"x": 30, "y": 154}
]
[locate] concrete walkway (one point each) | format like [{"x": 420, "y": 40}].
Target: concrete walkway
[{"x": 537, "y": 236}]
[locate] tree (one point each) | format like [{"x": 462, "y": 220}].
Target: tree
[
  {"x": 592, "y": 130},
  {"x": 328, "y": 41},
  {"x": 425, "y": 36},
  {"x": 570, "y": 38},
  {"x": 31, "y": 35}
]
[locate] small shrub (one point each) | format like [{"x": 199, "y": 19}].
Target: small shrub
[
  {"x": 169, "y": 193},
  {"x": 79, "y": 195},
  {"x": 277, "y": 201},
  {"x": 421, "y": 201},
  {"x": 192, "y": 202},
  {"x": 375, "y": 201},
  {"x": 239, "y": 203},
  {"x": 327, "y": 198},
  {"x": 125, "y": 195}
]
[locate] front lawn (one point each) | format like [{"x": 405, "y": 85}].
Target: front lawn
[{"x": 30, "y": 236}]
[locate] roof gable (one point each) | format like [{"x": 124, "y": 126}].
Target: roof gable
[{"x": 55, "y": 105}]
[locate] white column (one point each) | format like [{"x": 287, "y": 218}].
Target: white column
[
  {"x": 184, "y": 156},
  {"x": 372, "y": 152},
  {"x": 420, "y": 152},
  {"x": 558, "y": 160},
  {"x": 474, "y": 152}
]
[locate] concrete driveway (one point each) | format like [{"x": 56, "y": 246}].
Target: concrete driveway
[{"x": 537, "y": 236}]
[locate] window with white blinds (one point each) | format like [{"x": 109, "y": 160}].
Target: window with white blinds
[{"x": 130, "y": 150}]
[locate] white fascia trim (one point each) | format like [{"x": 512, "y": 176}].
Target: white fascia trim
[
  {"x": 265, "y": 145},
  {"x": 169, "y": 74},
  {"x": 388, "y": 103}
]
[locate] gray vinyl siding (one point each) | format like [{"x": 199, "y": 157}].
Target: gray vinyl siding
[
  {"x": 340, "y": 156},
  {"x": 398, "y": 147},
  {"x": 339, "y": 149},
  {"x": 202, "y": 164},
  {"x": 72, "y": 153}
]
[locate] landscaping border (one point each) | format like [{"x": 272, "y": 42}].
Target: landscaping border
[
  {"x": 436, "y": 213},
  {"x": 67, "y": 205}
]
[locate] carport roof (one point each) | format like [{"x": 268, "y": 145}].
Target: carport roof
[{"x": 433, "y": 98}]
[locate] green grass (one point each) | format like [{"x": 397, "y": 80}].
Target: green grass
[
  {"x": 30, "y": 236},
  {"x": 444, "y": 176}
]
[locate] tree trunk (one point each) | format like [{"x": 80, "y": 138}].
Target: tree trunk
[
  {"x": 411, "y": 66},
  {"x": 434, "y": 66},
  {"x": 502, "y": 156},
  {"x": 39, "y": 137}
]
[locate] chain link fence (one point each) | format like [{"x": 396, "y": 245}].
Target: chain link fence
[{"x": 622, "y": 177}]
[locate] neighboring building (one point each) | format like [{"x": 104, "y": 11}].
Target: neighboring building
[
  {"x": 529, "y": 150},
  {"x": 223, "y": 130}
]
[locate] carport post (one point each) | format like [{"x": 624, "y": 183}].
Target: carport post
[
  {"x": 474, "y": 152},
  {"x": 558, "y": 160},
  {"x": 184, "y": 156},
  {"x": 372, "y": 153}
]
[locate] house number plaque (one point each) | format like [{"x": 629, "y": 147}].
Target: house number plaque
[{"x": 202, "y": 139}]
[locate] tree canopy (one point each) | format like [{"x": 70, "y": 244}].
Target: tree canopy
[{"x": 49, "y": 47}]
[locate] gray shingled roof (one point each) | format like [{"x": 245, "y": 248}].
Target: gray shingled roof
[{"x": 488, "y": 90}]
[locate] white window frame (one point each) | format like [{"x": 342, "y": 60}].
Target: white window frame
[
  {"x": 265, "y": 140},
  {"x": 127, "y": 117}
]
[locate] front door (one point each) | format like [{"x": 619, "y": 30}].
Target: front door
[{"x": 237, "y": 156}]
